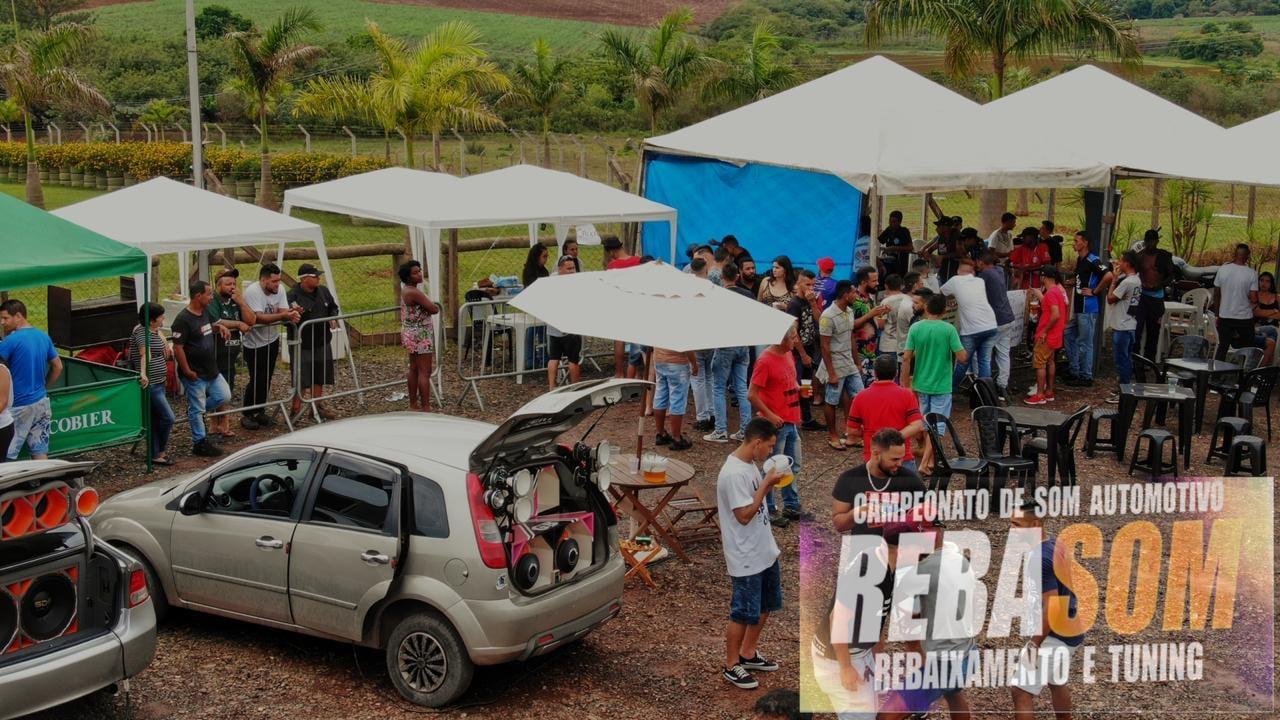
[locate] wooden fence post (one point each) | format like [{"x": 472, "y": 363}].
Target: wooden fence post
[
  {"x": 453, "y": 279},
  {"x": 1253, "y": 205}
]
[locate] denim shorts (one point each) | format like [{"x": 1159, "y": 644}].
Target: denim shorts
[
  {"x": 849, "y": 385},
  {"x": 672, "y": 394},
  {"x": 636, "y": 353},
  {"x": 756, "y": 594}
]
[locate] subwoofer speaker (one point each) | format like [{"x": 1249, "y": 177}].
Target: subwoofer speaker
[
  {"x": 528, "y": 569},
  {"x": 567, "y": 555},
  {"x": 39, "y": 609}
]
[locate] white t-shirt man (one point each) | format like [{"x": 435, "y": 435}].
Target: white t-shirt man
[
  {"x": 1001, "y": 241},
  {"x": 1235, "y": 282},
  {"x": 896, "y": 323},
  {"x": 748, "y": 549},
  {"x": 259, "y": 301},
  {"x": 975, "y": 312},
  {"x": 1128, "y": 290}
]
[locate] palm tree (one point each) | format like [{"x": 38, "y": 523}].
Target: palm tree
[
  {"x": 437, "y": 85},
  {"x": 542, "y": 87},
  {"x": 1003, "y": 32},
  {"x": 267, "y": 60},
  {"x": 758, "y": 75},
  {"x": 159, "y": 113},
  {"x": 661, "y": 65},
  {"x": 36, "y": 75}
]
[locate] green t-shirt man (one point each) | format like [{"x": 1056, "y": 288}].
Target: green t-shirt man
[{"x": 933, "y": 344}]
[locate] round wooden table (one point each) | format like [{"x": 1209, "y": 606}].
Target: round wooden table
[{"x": 627, "y": 485}]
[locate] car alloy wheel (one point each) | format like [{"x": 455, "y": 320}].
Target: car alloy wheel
[{"x": 422, "y": 662}]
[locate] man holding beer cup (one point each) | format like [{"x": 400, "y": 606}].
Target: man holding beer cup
[{"x": 775, "y": 395}]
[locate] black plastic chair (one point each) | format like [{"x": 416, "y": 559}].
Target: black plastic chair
[
  {"x": 1254, "y": 391},
  {"x": 946, "y": 466},
  {"x": 1248, "y": 359},
  {"x": 1148, "y": 371},
  {"x": 1068, "y": 433},
  {"x": 1000, "y": 444},
  {"x": 985, "y": 394}
]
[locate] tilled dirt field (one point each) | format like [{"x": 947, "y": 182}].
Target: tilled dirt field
[{"x": 660, "y": 657}]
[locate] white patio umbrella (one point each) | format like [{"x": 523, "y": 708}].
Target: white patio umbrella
[{"x": 652, "y": 304}]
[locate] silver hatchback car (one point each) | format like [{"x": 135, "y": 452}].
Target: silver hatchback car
[{"x": 447, "y": 542}]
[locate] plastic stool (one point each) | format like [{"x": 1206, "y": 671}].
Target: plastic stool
[
  {"x": 1251, "y": 448},
  {"x": 1153, "y": 464},
  {"x": 1092, "y": 442},
  {"x": 1224, "y": 431}
]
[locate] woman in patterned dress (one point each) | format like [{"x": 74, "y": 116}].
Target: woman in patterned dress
[{"x": 417, "y": 334}]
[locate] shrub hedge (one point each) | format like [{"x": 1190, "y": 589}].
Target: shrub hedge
[{"x": 143, "y": 161}]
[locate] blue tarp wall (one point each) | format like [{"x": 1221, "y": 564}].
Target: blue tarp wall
[{"x": 772, "y": 211}]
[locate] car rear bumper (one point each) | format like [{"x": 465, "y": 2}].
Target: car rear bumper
[
  {"x": 78, "y": 670},
  {"x": 518, "y": 631}
]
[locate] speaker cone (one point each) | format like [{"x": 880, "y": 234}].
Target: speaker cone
[
  {"x": 527, "y": 571},
  {"x": 567, "y": 555},
  {"x": 8, "y": 619},
  {"x": 48, "y": 607}
]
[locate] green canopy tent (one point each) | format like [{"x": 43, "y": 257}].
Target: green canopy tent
[{"x": 94, "y": 406}]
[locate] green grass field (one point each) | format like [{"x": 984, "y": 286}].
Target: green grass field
[{"x": 503, "y": 34}]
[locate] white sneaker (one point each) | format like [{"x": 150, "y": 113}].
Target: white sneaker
[
  {"x": 716, "y": 437},
  {"x": 736, "y": 437}
]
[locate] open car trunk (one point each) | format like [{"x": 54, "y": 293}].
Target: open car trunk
[{"x": 548, "y": 499}]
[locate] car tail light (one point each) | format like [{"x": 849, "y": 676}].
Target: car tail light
[
  {"x": 138, "y": 588},
  {"x": 488, "y": 536}
]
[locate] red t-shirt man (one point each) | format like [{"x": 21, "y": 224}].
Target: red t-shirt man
[
  {"x": 1052, "y": 331},
  {"x": 775, "y": 381},
  {"x": 1036, "y": 257},
  {"x": 620, "y": 263},
  {"x": 883, "y": 404}
]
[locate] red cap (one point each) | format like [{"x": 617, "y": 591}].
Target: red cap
[{"x": 826, "y": 264}]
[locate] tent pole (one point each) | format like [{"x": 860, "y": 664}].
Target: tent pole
[
  {"x": 1107, "y": 229},
  {"x": 145, "y": 353}
]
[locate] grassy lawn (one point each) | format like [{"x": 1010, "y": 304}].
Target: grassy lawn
[{"x": 504, "y": 34}]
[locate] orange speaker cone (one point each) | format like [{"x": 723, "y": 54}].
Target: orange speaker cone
[
  {"x": 17, "y": 516},
  {"x": 86, "y": 502},
  {"x": 52, "y": 507}
]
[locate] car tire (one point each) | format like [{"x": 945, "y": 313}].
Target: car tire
[
  {"x": 427, "y": 662},
  {"x": 159, "y": 602}
]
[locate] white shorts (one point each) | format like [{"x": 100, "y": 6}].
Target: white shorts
[
  {"x": 1052, "y": 664},
  {"x": 860, "y": 704}
]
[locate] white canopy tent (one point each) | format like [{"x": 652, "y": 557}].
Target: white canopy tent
[
  {"x": 430, "y": 202},
  {"x": 162, "y": 216}
]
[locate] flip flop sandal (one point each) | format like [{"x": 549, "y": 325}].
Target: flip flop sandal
[{"x": 838, "y": 446}]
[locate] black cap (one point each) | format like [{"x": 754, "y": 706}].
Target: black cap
[
  {"x": 612, "y": 243},
  {"x": 944, "y": 220},
  {"x": 309, "y": 270},
  {"x": 969, "y": 232}
]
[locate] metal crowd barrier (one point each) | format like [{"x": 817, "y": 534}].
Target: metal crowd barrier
[{"x": 496, "y": 340}]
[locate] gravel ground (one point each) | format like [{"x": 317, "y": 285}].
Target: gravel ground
[{"x": 663, "y": 651}]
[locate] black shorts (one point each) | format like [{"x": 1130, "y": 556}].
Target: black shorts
[
  {"x": 566, "y": 346},
  {"x": 315, "y": 368}
]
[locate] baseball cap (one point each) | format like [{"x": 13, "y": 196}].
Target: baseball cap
[
  {"x": 969, "y": 232},
  {"x": 916, "y": 522},
  {"x": 826, "y": 264},
  {"x": 612, "y": 243},
  {"x": 309, "y": 270},
  {"x": 944, "y": 220}
]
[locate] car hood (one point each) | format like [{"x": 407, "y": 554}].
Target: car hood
[
  {"x": 148, "y": 492},
  {"x": 547, "y": 416}
]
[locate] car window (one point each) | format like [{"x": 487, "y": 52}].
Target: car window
[
  {"x": 270, "y": 486},
  {"x": 356, "y": 493},
  {"x": 429, "y": 516}
]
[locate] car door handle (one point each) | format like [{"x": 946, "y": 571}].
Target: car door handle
[
  {"x": 373, "y": 557},
  {"x": 267, "y": 542}
]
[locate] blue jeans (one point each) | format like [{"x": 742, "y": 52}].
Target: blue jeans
[
  {"x": 161, "y": 419},
  {"x": 1078, "y": 337},
  {"x": 940, "y": 404},
  {"x": 979, "y": 347},
  {"x": 788, "y": 443},
  {"x": 730, "y": 365},
  {"x": 1122, "y": 344},
  {"x": 203, "y": 393},
  {"x": 702, "y": 385}
]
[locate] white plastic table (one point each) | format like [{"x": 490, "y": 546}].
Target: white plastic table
[{"x": 519, "y": 324}]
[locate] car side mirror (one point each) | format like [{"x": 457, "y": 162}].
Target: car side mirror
[{"x": 190, "y": 504}]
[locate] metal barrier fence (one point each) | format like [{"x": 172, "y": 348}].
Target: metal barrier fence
[{"x": 496, "y": 340}]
